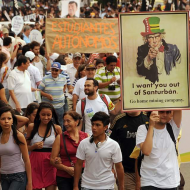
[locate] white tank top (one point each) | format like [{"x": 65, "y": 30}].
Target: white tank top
[{"x": 48, "y": 141}]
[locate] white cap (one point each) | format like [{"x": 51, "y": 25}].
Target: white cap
[{"x": 30, "y": 55}]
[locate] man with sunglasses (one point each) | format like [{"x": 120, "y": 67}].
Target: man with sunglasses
[
  {"x": 159, "y": 168},
  {"x": 52, "y": 90}
]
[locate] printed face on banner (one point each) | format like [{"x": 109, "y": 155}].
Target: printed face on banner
[
  {"x": 70, "y": 9},
  {"x": 154, "y": 61}
]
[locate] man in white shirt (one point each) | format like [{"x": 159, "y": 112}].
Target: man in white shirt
[
  {"x": 95, "y": 103},
  {"x": 19, "y": 85},
  {"x": 71, "y": 71},
  {"x": 35, "y": 76},
  {"x": 100, "y": 153},
  {"x": 78, "y": 92},
  {"x": 159, "y": 168}
]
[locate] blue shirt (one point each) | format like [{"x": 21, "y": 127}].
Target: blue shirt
[
  {"x": 26, "y": 39},
  {"x": 54, "y": 87}
]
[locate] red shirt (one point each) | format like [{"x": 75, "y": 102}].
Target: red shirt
[{"x": 71, "y": 149}]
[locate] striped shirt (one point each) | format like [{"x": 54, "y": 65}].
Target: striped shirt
[
  {"x": 75, "y": 81},
  {"x": 102, "y": 76},
  {"x": 62, "y": 73},
  {"x": 54, "y": 87}
]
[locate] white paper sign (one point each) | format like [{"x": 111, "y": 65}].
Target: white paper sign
[
  {"x": 35, "y": 35},
  {"x": 70, "y": 7},
  {"x": 17, "y": 24}
]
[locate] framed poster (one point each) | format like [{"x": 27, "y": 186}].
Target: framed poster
[{"x": 155, "y": 60}]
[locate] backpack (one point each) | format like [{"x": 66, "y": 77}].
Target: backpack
[
  {"x": 141, "y": 155},
  {"x": 83, "y": 104}
]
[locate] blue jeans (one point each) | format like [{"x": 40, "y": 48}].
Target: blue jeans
[
  {"x": 7, "y": 94},
  {"x": 66, "y": 106},
  {"x": 60, "y": 112},
  {"x": 16, "y": 181}
]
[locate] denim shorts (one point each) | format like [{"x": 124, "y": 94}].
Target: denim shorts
[{"x": 14, "y": 181}]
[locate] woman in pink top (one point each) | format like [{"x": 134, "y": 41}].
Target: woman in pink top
[
  {"x": 40, "y": 137},
  {"x": 15, "y": 163},
  {"x": 65, "y": 164}
]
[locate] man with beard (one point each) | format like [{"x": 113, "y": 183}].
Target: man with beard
[
  {"x": 39, "y": 61},
  {"x": 95, "y": 103}
]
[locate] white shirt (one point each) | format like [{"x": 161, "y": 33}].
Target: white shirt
[
  {"x": 34, "y": 77},
  {"x": 91, "y": 107},
  {"x": 39, "y": 65},
  {"x": 71, "y": 71},
  {"x": 160, "y": 169},
  {"x": 98, "y": 163},
  {"x": 79, "y": 88},
  {"x": 19, "y": 81},
  {"x": 2, "y": 71}
]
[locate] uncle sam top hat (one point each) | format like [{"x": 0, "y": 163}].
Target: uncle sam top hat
[{"x": 151, "y": 26}]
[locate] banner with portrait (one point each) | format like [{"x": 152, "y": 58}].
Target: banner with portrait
[
  {"x": 70, "y": 8},
  {"x": 155, "y": 60}
]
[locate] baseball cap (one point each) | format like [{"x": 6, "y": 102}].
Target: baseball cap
[
  {"x": 90, "y": 66},
  {"x": 77, "y": 55},
  {"x": 56, "y": 65},
  {"x": 5, "y": 31},
  {"x": 30, "y": 55}
]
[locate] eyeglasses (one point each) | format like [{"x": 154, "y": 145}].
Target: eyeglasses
[{"x": 54, "y": 70}]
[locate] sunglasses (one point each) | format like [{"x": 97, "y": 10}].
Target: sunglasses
[{"x": 55, "y": 70}]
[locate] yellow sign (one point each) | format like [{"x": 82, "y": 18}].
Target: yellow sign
[{"x": 154, "y": 57}]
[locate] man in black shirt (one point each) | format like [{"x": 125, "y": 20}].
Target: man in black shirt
[{"x": 124, "y": 129}]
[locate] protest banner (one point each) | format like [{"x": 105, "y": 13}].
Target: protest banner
[
  {"x": 1, "y": 5},
  {"x": 82, "y": 35},
  {"x": 70, "y": 8},
  {"x": 35, "y": 35},
  {"x": 29, "y": 17},
  {"x": 154, "y": 59},
  {"x": 17, "y": 24}
]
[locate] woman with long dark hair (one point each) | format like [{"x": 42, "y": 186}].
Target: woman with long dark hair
[
  {"x": 30, "y": 113},
  {"x": 80, "y": 73},
  {"x": 15, "y": 162},
  {"x": 40, "y": 137},
  {"x": 66, "y": 146}
]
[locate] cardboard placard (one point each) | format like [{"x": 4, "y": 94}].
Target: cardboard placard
[
  {"x": 17, "y": 24},
  {"x": 35, "y": 35},
  {"x": 82, "y": 35}
]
